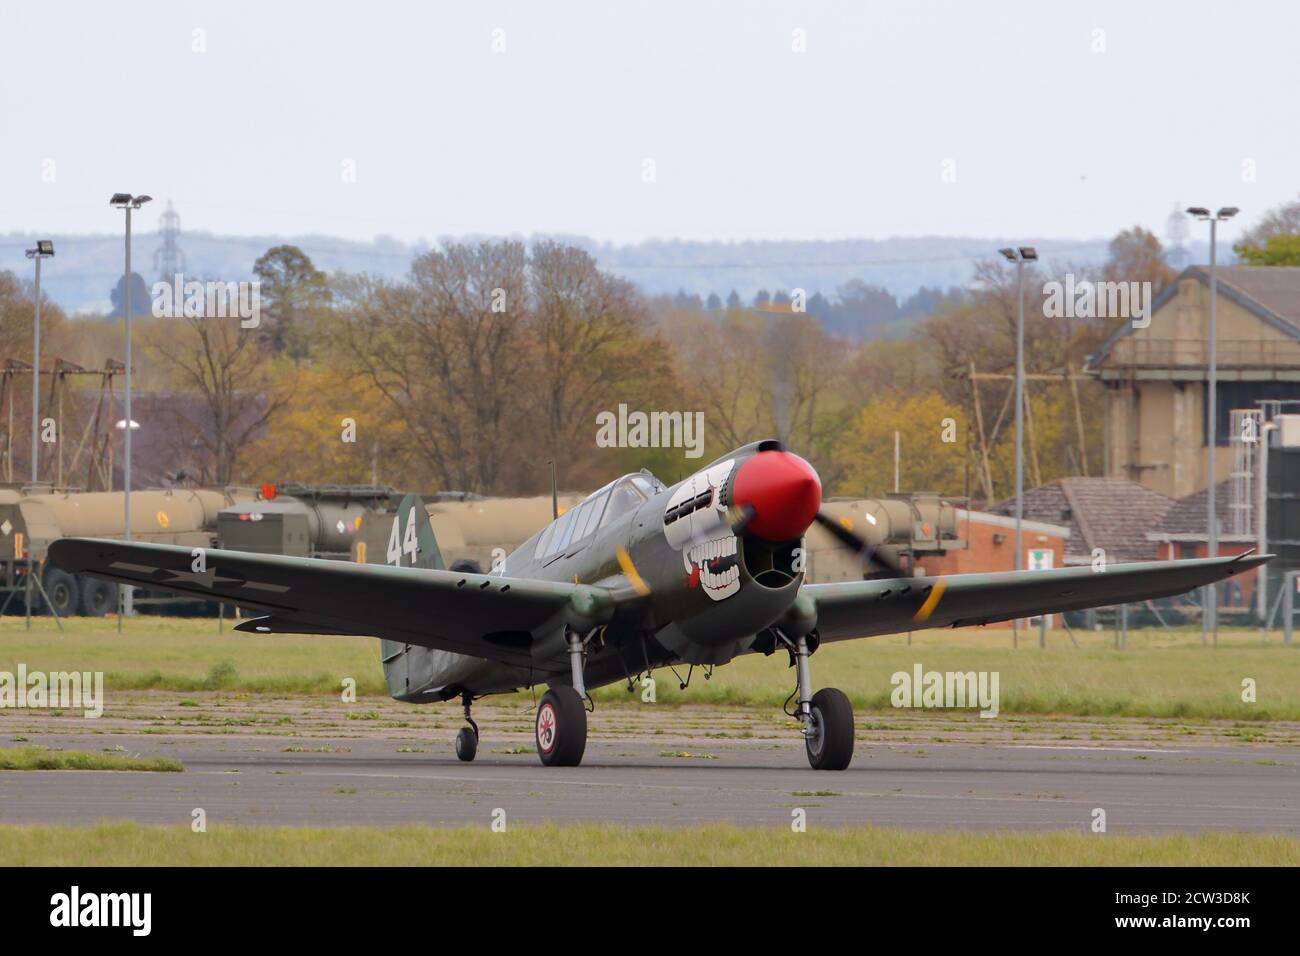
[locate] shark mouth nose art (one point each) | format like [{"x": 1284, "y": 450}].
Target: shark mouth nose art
[{"x": 712, "y": 565}]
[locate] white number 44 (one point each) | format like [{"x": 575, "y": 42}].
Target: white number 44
[{"x": 406, "y": 544}]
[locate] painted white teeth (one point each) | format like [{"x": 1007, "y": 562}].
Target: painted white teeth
[
  {"x": 701, "y": 555},
  {"x": 711, "y": 550}
]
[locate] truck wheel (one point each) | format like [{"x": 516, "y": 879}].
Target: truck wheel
[
  {"x": 61, "y": 589},
  {"x": 97, "y": 597}
]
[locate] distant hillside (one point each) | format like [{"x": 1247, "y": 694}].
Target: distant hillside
[{"x": 86, "y": 268}]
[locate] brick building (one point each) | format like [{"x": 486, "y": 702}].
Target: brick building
[{"x": 1181, "y": 534}]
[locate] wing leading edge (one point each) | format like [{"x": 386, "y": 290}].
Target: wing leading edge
[
  {"x": 889, "y": 606},
  {"x": 483, "y": 615}
]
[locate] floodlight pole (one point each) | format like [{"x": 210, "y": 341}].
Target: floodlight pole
[
  {"x": 1019, "y": 256},
  {"x": 1020, "y": 405},
  {"x": 44, "y": 249},
  {"x": 1020, "y": 424},
  {"x": 36, "y": 374},
  {"x": 127, "y": 202},
  {"x": 1210, "y": 592},
  {"x": 127, "y": 593},
  {"x": 1210, "y": 618}
]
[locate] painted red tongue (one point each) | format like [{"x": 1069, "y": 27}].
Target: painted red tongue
[{"x": 782, "y": 489}]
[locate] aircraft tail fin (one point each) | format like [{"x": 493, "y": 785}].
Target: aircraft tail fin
[{"x": 411, "y": 543}]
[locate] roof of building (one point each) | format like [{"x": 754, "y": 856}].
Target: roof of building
[
  {"x": 1056, "y": 529},
  {"x": 1274, "y": 288},
  {"x": 1186, "y": 519},
  {"x": 1272, "y": 293},
  {"x": 1113, "y": 514}
]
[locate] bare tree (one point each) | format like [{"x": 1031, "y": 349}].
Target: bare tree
[
  {"x": 591, "y": 332},
  {"x": 721, "y": 359},
  {"x": 446, "y": 351},
  {"x": 220, "y": 364}
]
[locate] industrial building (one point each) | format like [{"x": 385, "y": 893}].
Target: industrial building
[{"x": 1156, "y": 376}]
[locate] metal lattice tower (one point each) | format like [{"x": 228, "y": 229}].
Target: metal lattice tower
[
  {"x": 1176, "y": 231},
  {"x": 1243, "y": 439},
  {"x": 169, "y": 259}
]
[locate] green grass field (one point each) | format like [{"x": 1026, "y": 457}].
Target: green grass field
[
  {"x": 39, "y": 758},
  {"x": 128, "y": 844},
  {"x": 1159, "y": 674}
]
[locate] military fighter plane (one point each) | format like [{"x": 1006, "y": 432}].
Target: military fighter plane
[{"x": 636, "y": 576}]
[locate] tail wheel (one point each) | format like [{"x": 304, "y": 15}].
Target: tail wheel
[
  {"x": 97, "y": 597},
  {"x": 61, "y": 588},
  {"x": 466, "y": 744},
  {"x": 561, "y": 728},
  {"x": 830, "y": 738}
]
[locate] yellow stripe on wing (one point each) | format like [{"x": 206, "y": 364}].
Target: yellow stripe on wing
[
  {"x": 630, "y": 571},
  {"x": 925, "y": 610}
]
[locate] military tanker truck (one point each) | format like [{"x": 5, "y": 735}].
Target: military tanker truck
[
  {"x": 305, "y": 521},
  {"x": 903, "y": 528},
  {"x": 30, "y": 521}
]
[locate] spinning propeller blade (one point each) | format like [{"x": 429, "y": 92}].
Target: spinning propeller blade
[{"x": 855, "y": 542}]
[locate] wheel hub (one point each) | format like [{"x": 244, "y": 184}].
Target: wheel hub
[
  {"x": 814, "y": 733},
  {"x": 546, "y": 728}
]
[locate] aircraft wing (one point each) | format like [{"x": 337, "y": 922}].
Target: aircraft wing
[
  {"x": 483, "y": 615},
  {"x": 890, "y": 606}
]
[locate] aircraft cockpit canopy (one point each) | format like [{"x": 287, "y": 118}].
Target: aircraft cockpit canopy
[{"x": 596, "y": 511}]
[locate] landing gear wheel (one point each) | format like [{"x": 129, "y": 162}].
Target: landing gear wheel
[
  {"x": 466, "y": 744},
  {"x": 561, "y": 728},
  {"x": 830, "y": 741}
]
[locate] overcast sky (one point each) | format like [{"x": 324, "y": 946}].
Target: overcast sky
[{"x": 1054, "y": 119}]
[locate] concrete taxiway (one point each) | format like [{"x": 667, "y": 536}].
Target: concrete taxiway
[{"x": 298, "y": 762}]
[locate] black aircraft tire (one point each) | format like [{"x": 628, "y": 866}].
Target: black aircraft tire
[
  {"x": 561, "y": 727},
  {"x": 97, "y": 597},
  {"x": 831, "y": 745},
  {"x": 61, "y": 588},
  {"x": 466, "y": 744}
]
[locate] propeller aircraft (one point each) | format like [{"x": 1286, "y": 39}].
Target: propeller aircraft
[{"x": 636, "y": 576}]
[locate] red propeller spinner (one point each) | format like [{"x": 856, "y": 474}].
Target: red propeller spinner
[{"x": 781, "y": 490}]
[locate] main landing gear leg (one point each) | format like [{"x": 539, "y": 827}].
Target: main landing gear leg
[
  {"x": 467, "y": 739},
  {"x": 561, "y": 728},
  {"x": 577, "y": 661},
  {"x": 827, "y": 716}
]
